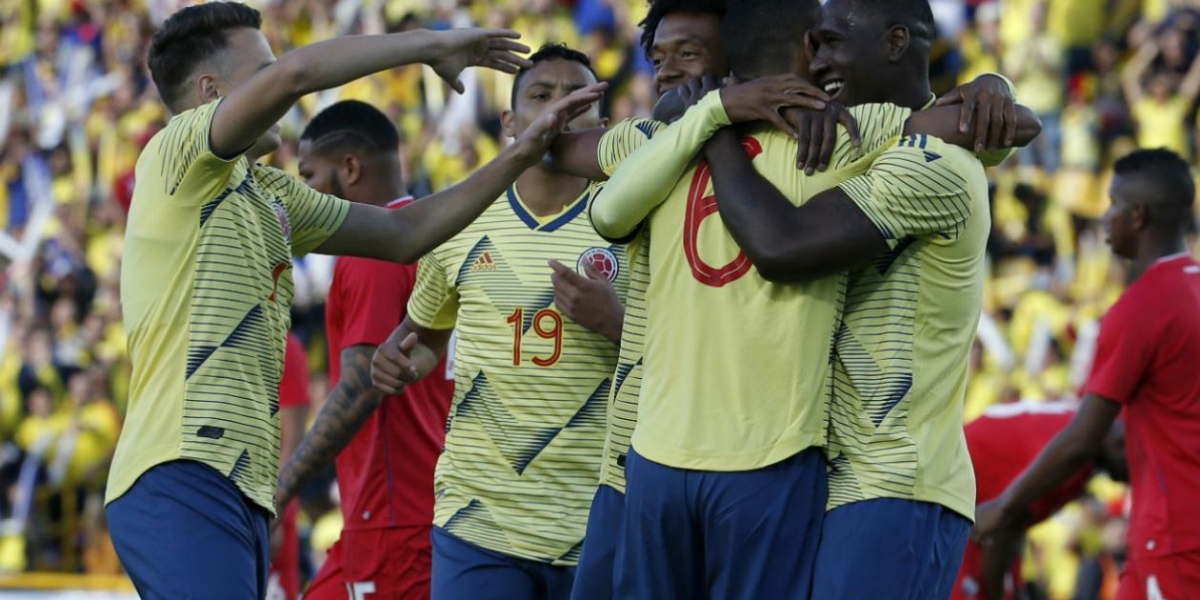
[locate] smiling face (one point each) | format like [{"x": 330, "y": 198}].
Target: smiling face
[
  {"x": 687, "y": 45},
  {"x": 849, "y": 50}
]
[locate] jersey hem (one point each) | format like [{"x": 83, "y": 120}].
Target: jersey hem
[
  {"x": 960, "y": 505},
  {"x": 726, "y": 463},
  {"x": 150, "y": 458},
  {"x": 510, "y": 552}
]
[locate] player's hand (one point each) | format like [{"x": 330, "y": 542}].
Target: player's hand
[
  {"x": 818, "y": 134},
  {"x": 990, "y": 518},
  {"x": 669, "y": 107},
  {"x": 458, "y": 49},
  {"x": 392, "y": 367},
  {"x": 989, "y": 109},
  {"x": 588, "y": 299},
  {"x": 765, "y": 99},
  {"x": 696, "y": 89},
  {"x": 276, "y": 536},
  {"x": 533, "y": 143}
]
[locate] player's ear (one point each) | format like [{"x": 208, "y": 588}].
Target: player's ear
[
  {"x": 207, "y": 86},
  {"x": 506, "y": 123},
  {"x": 604, "y": 122},
  {"x": 350, "y": 171},
  {"x": 1139, "y": 217},
  {"x": 810, "y": 44},
  {"x": 898, "y": 40}
]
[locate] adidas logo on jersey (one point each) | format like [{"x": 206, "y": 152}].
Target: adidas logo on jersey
[{"x": 484, "y": 263}]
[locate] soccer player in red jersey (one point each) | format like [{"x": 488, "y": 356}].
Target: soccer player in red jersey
[
  {"x": 385, "y": 472},
  {"x": 1002, "y": 443},
  {"x": 284, "y": 580},
  {"x": 1145, "y": 364}
]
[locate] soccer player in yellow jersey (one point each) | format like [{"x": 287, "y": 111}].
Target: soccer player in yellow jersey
[
  {"x": 206, "y": 280},
  {"x": 911, "y": 231},
  {"x": 526, "y": 427},
  {"x": 682, "y": 39},
  {"x": 740, "y": 420}
]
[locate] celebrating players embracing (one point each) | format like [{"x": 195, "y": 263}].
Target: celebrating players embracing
[{"x": 206, "y": 279}]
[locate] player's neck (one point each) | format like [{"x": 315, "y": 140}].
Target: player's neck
[
  {"x": 907, "y": 88},
  {"x": 912, "y": 96},
  {"x": 546, "y": 192},
  {"x": 382, "y": 193},
  {"x": 1153, "y": 249}
]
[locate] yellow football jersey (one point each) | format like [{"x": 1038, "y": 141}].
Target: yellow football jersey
[
  {"x": 206, "y": 291},
  {"x": 616, "y": 144},
  {"x": 735, "y": 369},
  {"x": 526, "y": 429},
  {"x": 910, "y": 318}
]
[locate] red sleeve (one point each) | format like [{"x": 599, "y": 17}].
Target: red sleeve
[
  {"x": 374, "y": 295},
  {"x": 1124, "y": 350},
  {"x": 293, "y": 390}
]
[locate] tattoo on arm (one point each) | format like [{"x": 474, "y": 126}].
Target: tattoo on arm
[{"x": 345, "y": 411}]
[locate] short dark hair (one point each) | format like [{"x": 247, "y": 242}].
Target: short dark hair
[
  {"x": 352, "y": 124},
  {"x": 760, "y": 34},
  {"x": 1166, "y": 182},
  {"x": 659, "y": 9},
  {"x": 916, "y": 15},
  {"x": 191, "y": 36},
  {"x": 548, "y": 53}
]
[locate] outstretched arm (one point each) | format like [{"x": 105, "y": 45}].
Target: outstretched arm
[
  {"x": 249, "y": 110},
  {"x": 406, "y": 234}
]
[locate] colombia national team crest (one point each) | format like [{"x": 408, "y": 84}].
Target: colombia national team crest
[
  {"x": 602, "y": 260},
  {"x": 284, "y": 222}
]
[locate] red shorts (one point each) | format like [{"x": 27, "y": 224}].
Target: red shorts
[
  {"x": 1170, "y": 577},
  {"x": 376, "y": 564},
  {"x": 283, "y": 582},
  {"x": 968, "y": 585}
]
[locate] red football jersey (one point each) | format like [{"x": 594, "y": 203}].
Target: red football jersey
[
  {"x": 1003, "y": 443},
  {"x": 385, "y": 475},
  {"x": 1006, "y": 440},
  {"x": 1148, "y": 359},
  {"x": 293, "y": 388}
]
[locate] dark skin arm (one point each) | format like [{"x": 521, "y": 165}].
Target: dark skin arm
[
  {"x": 786, "y": 243},
  {"x": 998, "y": 557},
  {"x": 1071, "y": 450},
  {"x": 827, "y": 235}
]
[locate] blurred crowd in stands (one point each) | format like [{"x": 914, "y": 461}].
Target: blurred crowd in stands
[{"x": 77, "y": 104}]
